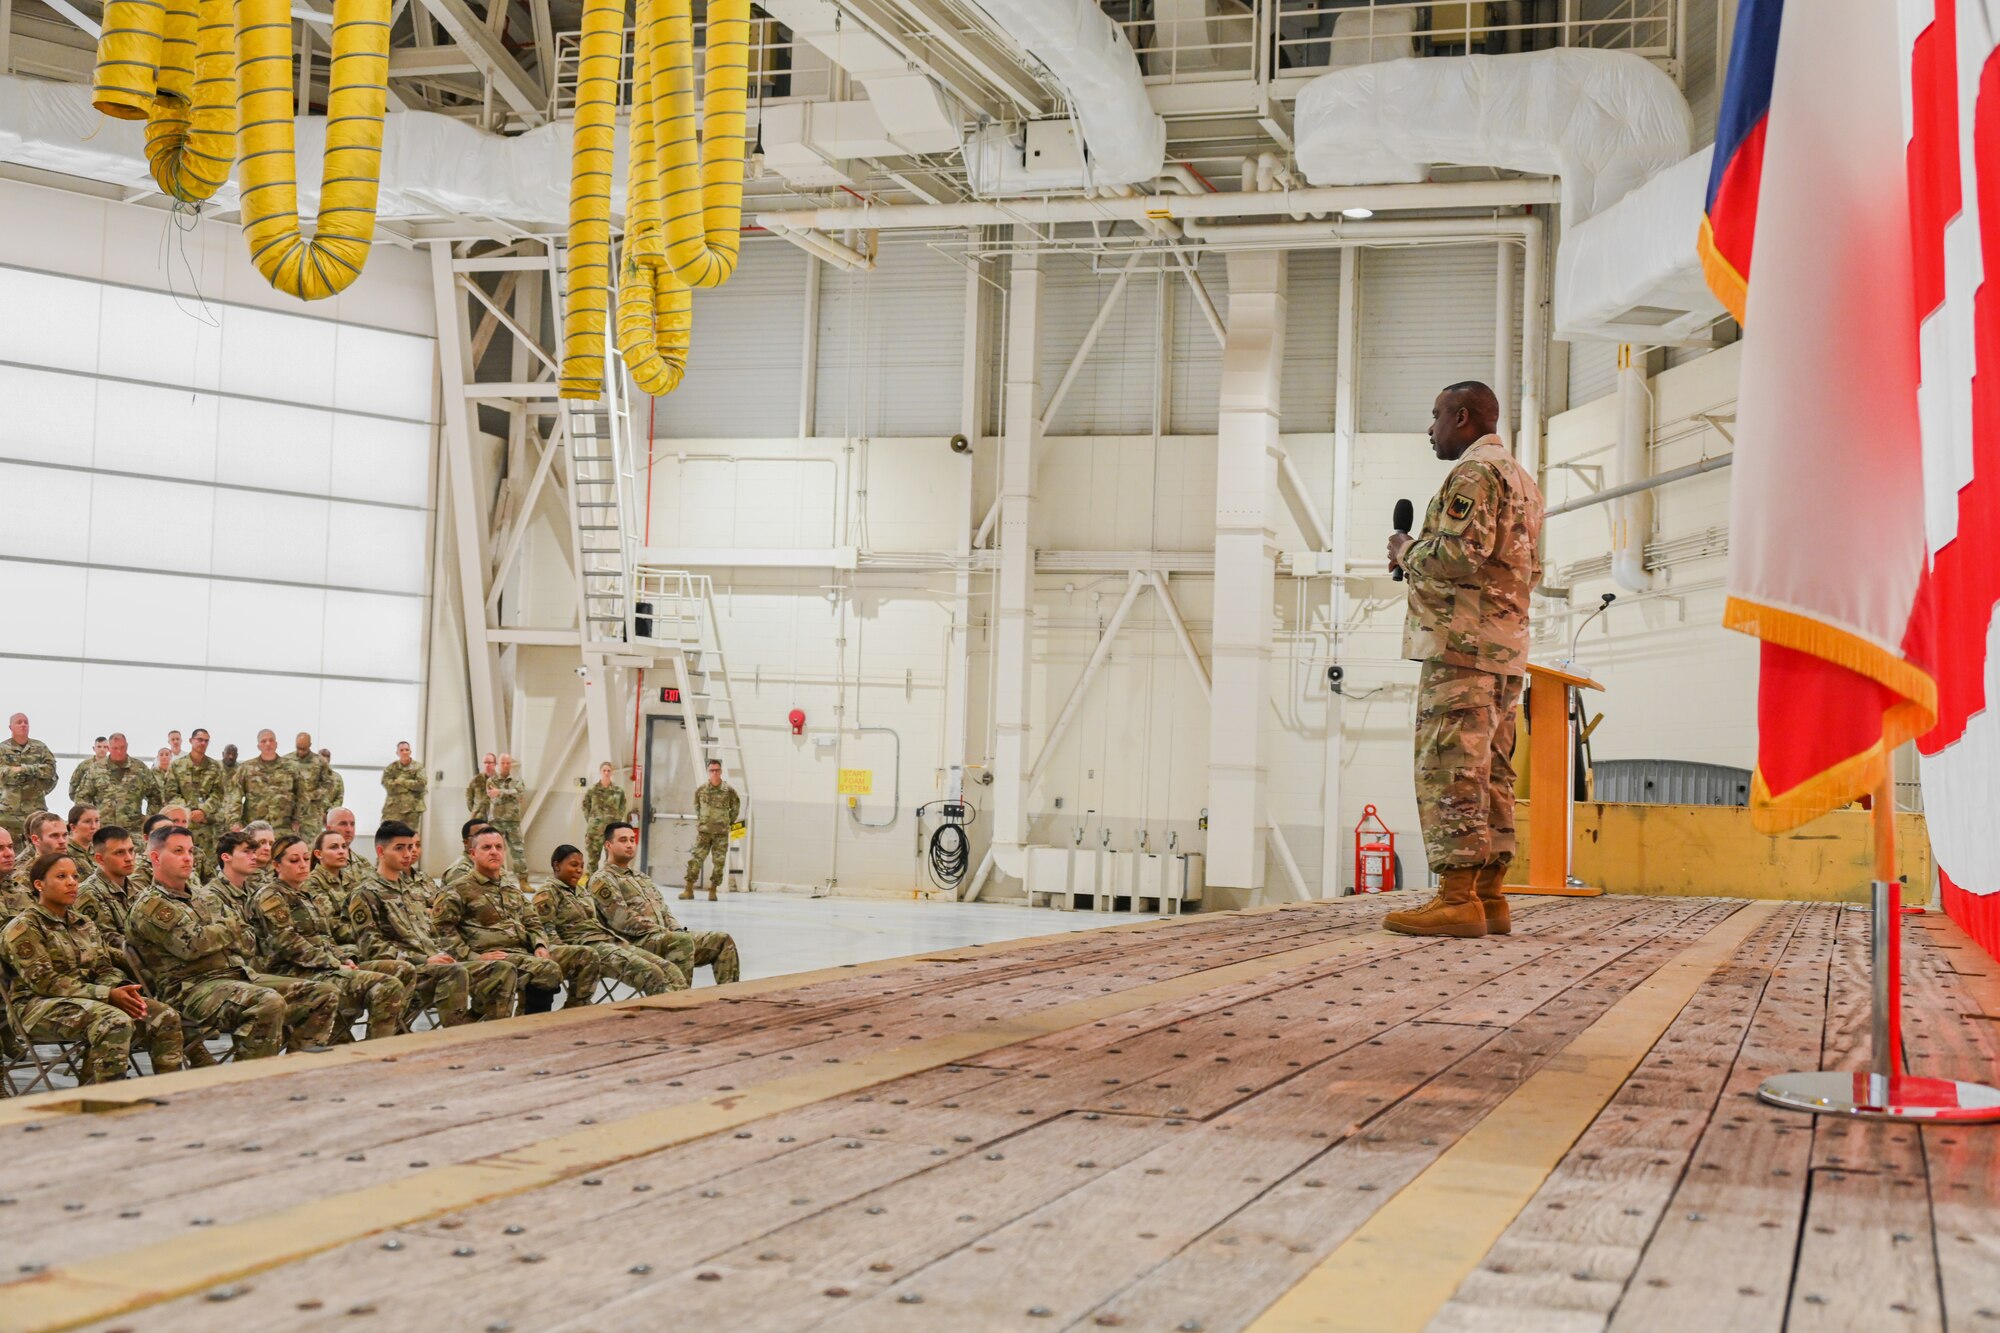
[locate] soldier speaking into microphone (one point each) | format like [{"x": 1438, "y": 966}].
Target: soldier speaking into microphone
[{"x": 1469, "y": 572}]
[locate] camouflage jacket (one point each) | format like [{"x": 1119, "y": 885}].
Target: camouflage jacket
[
  {"x": 330, "y": 891},
  {"x": 294, "y": 935},
  {"x": 477, "y": 914},
  {"x": 270, "y": 789},
  {"x": 455, "y": 872},
  {"x": 77, "y": 777},
  {"x": 604, "y": 805},
  {"x": 232, "y": 797},
  {"x": 476, "y": 801},
  {"x": 234, "y": 900},
  {"x": 61, "y": 957},
  {"x": 105, "y": 905},
  {"x": 407, "y": 786},
  {"x": 182, "y": 939},
  {"x": 716, "y": 808},
  {"x": 86, "y": 864},
  {"x": 27, "y": 774},
  {"x": 1471, "y": 570},
  {"x": 201, "y": 786},
  {"x": 571, "y": 915},
  {"x": 123, "y": 793},
  {"x": 15, "y": 898},
  {"x": 315, "y": 790},
  {"x": 509, "y": 795},
  {"x": 389, "y": 923},
  {"x": 335, "y": 787},
  {"x": 629, "y": 903}
]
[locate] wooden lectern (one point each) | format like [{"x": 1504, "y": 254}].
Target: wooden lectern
[{"x": 1552, "y": 781}]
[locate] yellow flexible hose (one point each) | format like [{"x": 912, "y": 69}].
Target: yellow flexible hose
[
  {"x": 350, "y": 180},
  {"x": 655, "y": 309},
  {"x": 128, "y": 58},
  {"x": 191, "y": 137},
  {"x": 704, "y": 191},
  {"x": 601, "y": 51}
]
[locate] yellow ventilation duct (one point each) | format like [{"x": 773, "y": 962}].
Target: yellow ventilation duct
[
  {"x": 705, "y": 212},
  {"x": 655, "y": 309},
  {"x": 128, "y": 58},
  {"x": 191, "y": 124},
  {"x": 351, "y": 176},
  {"x": 601, "y": 51}
]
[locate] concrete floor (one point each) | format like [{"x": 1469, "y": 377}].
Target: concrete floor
[{"x": 779, "y": 933}]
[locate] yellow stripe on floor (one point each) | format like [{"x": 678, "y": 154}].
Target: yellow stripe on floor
[
  {"x": 116, "y": 1283},
  {"x": 1404, "y": 1263}
]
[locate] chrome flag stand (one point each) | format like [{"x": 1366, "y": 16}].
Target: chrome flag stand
[{"x": 1883, "y": 1091}]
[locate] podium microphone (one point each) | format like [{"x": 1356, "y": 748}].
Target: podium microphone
[{"x": 1405, "y": 514}]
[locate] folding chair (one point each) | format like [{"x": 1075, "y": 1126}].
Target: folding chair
[{"x": 67, "y": 1061}]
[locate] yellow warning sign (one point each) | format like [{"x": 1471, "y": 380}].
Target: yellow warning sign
[{"x": 857, "y": 782}]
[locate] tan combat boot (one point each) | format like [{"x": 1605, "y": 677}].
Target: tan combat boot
[
  {"x": 687, "y": 894},
  {"x": 1455, "y": 911},
  {"x": 1491, "y": 885},
  {"x": 711, "y": 895}
]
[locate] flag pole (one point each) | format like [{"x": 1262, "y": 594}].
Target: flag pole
[{"x": 1884, "y": 1091}]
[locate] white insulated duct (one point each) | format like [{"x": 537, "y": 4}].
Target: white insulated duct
[
  {"x": 1631, "y": 274},
  {"x": 430, "y": 163},
  {"x": 1632, "y": 515},
  {"x": 1124, "y": 140},
  {"x": 1605, "y": 122}
]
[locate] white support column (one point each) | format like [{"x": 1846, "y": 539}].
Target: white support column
[
  {"x": 958, "y": 649},
  {"x": 1534, "y": 348},
  {"x": 809, "y": 360},
  {"x": 1246, "y": 497},
  {"x": 1333, "y": 852},
  {"x": 468, "y": 522},
  {"x": 1503, "y": 336},
  {"x": 1014, "y": 634}
]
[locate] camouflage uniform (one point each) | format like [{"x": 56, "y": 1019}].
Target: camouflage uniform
[
  {"x": 477, "y": 803},
  {"x": 195, "y": 956},
  {"x": 336, "y": 792},
  {"x": 15, "y": 897},
  {"x": 80, "y": 775},
  {"x": 314, "y": 793},
  {"x": 631, "y": 905},
  {"x": 231, "y": 813},
  {"x": 67, "y": 975},
  {"x": 270, "y": 791},
  {"x": 330, "y": 892},
  {"x": 389, "y": 924},
  {"x": 571, "y": 916},
  {"x": 715, "y": 809},
  {"x": 295, "y": 938},
  {"x": 477, "y": 915},
  {"x": 201, "y": 785},
  {"x": 509, "y": 796},
  {"x": 124, "y": 794},
  {"x": 406, "y": 787},
  {"x": 602, "y": 807},
  {"x": 27, "y": 776},
  {"x": 86, "y": 864},
  {"x": 105, "y": 903},
  {"x": 1470, "y": 574}
]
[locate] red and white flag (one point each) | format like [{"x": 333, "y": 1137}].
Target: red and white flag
[
  {"x": 1827, "y": 542},
  {"x": 1953, "y": 118}
]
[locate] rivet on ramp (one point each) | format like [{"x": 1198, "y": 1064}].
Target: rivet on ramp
[
  {"x": 392, "y": 1244},
  {"x": 640, "y": 1269}
]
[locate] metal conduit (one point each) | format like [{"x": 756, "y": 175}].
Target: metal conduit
[{"x": 1650, "y": 483}]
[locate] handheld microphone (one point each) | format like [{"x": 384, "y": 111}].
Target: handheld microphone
[{"x": 1405, "y": 514}]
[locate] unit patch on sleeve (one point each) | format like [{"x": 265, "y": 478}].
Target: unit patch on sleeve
[{"x": 1458, "y": 508}]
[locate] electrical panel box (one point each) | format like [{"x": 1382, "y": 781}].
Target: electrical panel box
[{"x": 1054, "y": 145}]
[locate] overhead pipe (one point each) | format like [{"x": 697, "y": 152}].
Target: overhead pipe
[
  {"x": 1652, "y": 483},
  {"x": 1177, "y": 207},
  {"x": 1632, "y": 520}
]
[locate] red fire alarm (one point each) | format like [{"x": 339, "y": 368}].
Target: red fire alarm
[{"x": 797, "y": 717}]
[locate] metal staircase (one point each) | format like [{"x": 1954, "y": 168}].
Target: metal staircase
[
  {"x": 678, "y": 608},
  {"x": 600, "y": 476}
]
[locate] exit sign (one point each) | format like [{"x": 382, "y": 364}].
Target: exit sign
[{"x": 670, "y": 695}]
